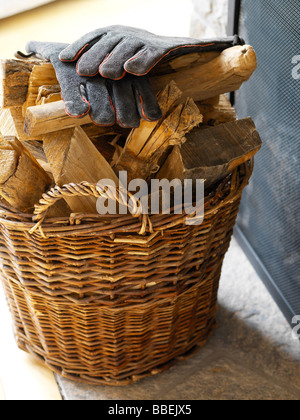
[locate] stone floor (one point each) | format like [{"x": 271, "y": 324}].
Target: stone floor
[{"x": 251, "y": 356}]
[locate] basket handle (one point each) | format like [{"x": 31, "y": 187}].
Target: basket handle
[{"x": 119, "y": 194}]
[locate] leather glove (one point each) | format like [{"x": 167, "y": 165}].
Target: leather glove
[
  {"x": 115, "y": 50},
  {"x": 107, "y": 101}
]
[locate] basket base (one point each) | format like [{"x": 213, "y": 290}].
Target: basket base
[{"x": 89, "y": 380}]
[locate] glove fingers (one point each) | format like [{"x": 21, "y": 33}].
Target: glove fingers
[
  {"x": 143, "y": 61},
  {"x": 102, "y": 109},
  {"x": 148, "y": 57},
  {"x": 113, "y": 65},
  {"x": 146, "y": 100},
  {"x": 89, "y": 63},
  {"x": 74, "y": 50},
  {"x": 125, "y": 103}
]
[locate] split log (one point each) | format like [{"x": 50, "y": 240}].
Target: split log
[
  {"x": 223, "y": 74},
  {"x": 172, "y": 130},
  {"x": 36, "y": 149},
  {"x": 22, "y": 179},
  {"x": 147, "y": 145},
  {"x": 213, "y": 153},
  {"x": 73, "y": 158},
  {"x": 51, "y": 117},
  {"x": 41, "y": 74},
  {"x": 138, "y": 137}
]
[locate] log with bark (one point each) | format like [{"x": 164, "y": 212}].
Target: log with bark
[
  {"x": 14, "y": 79},
  {"x": 213, "y": 153}
]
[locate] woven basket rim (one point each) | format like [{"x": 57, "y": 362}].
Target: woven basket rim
[{"x": 227, "y": 190}]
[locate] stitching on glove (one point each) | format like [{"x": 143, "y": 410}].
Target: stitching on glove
[
  {"x": 102, "y": 125},
  {"x": 163, "y": 56},
  {"x": 119, "y": 122}
]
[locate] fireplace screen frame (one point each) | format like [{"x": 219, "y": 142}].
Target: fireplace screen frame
[{"x": 284, "y": 294}]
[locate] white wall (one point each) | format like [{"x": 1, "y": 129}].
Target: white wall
[
  {"x": 209, "y": 18},
  {"x": 11, "y": 7}
]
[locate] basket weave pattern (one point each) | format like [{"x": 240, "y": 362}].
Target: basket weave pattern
[{"x": 99, "y": 303}]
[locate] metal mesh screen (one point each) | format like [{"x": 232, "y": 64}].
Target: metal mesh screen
[{"x": 269, "y": 214}]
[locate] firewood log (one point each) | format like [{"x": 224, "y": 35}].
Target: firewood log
[
  {"x": 136, "y": 140},
  {"x": 22, "y": 179},
  {"x": 73, "y": 158},
  {"x": 36, "y": 149},
  {"x": 213, "y": 153},
  {"x": 226, "y": 73},
  {"x": 51, "y": 117},
  {"x": 41, "y": 74}
]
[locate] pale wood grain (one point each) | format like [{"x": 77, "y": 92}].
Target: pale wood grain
[{"x": 74, "y": 158}]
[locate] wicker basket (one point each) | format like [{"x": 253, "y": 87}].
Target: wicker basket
[{"x": 101, "y": 304}]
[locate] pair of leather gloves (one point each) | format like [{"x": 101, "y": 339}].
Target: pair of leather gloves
[{"x": 105, "y": 72}]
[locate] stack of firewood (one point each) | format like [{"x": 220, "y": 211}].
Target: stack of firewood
[{"x": 198, "y": 137}]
